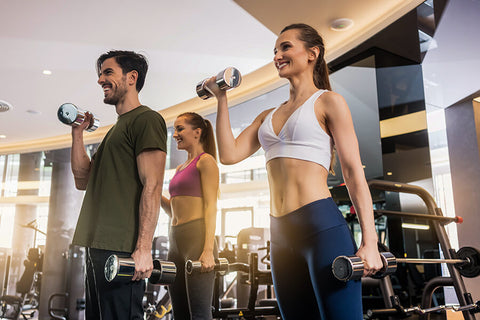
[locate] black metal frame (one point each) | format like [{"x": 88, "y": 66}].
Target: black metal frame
[
  {"x": 256, "y": 277},
  {"x": 434, "y": 212}
]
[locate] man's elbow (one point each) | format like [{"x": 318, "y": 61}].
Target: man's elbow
[{"x": 80, "y": 185}]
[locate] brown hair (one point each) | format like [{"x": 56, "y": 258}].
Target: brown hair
[{"x": 207, "y": 138}]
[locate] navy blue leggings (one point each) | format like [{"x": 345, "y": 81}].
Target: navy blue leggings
[{"x": 304, "y": 244}]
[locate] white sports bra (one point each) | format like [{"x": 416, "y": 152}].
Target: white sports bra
[{"x": 301, "y": 137}]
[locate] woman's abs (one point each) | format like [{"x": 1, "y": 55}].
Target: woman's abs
[
  {"x": 186, "y": 209},
  {"x": 295, "y": 183}
]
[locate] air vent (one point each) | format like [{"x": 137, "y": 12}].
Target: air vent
[{"x": 5, "y": 106}]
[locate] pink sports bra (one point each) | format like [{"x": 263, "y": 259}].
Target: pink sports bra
[{"x": 186, "y": 182}]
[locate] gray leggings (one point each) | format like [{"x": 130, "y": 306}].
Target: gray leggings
[{"x": 191, "y": 294}]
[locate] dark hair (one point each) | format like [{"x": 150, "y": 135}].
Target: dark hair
[
  {"x": 128, "y": 61},
  {"x": 207, "y": 138},
  {"x": 312, "y": 39}
]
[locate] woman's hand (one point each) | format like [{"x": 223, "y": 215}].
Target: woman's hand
[
  {"x": 371, "y": 259},
  {"x": 207, "y": 260},
  {"x": 211, "y": 85}
]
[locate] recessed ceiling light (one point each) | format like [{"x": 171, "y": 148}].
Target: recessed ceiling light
[
  {"x": 5, "y": 106},
  {"x": 34, "y": 111},
  {"x": 415, "y": 226},
  {"x": 341, "y": 24},
  {"x": 47, "y": 72},
  {"x": 2, "y": 136}
]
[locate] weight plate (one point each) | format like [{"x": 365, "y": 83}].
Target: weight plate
[{"x": 472, "y": 268}]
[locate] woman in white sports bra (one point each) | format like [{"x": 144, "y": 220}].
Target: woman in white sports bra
[{"x": 307, "y": 230}]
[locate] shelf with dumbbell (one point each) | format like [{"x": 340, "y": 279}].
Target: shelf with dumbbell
[{"x": 461, "y": 263}]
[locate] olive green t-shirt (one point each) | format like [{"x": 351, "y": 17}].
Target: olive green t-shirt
[{"x": 109, "y": 217}]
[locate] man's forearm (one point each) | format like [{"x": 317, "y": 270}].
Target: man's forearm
[
  {"x": 148, "y": 217},
  {"x": 80, "y": 161}
]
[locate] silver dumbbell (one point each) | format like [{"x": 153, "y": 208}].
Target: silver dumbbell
[
  {"x": 69, "y": 114},
  {"x": 123, "y": 268},
  {"x": 347, "y": 268},
  {"x": 221, "y": 266},
  {"x": 226, "y": 79}
]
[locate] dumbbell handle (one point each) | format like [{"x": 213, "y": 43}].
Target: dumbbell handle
[
  {"x": 123, "y": 268},
  {"x": 432, "y": 261},
  {"x": 226, "y": 79},
  {"x": 221, "y": 265}
]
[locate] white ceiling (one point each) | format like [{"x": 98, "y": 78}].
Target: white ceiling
[{"x": 184, "y": 41}]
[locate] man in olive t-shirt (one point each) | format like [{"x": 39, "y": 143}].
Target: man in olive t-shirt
[{"x": 123, "y": 183}]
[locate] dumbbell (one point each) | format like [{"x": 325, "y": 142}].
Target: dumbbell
[
  {"x": 351, "y": 268},
  {"x": 69, "y": 114},
  {"x": 226, "y": 79},
  {"x": 221, "y": 266},
  {"x": 119, "y": 268},
  {"x": 347, "y": 268}
]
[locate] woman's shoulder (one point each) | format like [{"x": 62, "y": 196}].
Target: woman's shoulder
[
  {"x": 329, "y": 96},
  {"x": 331, "y": 101},
  {"x": 206, "y": 159}
]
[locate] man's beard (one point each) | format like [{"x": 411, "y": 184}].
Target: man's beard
[{"x": 119, "y": 93}]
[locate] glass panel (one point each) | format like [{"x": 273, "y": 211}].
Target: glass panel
[
  {"x": 234, "y": 220},
  {"x": 11, "y": 176},
  {"x": 7, "y": 217},
  {"x": 363, "y": 104}
]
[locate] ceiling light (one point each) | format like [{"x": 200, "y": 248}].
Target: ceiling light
[
  {"x": 341, "y": 24},
  {"x": 389, "y": 173},
  {"x": 2, "y": 136},
  {"x": 34, "y": 111},
  {"x": 47, "y": 72},
  {"x": 415, "y": 226},
  {"x": 5, "y": 106}
]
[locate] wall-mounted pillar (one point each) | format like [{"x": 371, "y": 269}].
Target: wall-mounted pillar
[
  {"x": 25, "y": 216},
  {"x": 463, "y": 134},
  {"x": 64, "y": 207}
]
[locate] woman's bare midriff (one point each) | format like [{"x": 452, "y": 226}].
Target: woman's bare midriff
[
  {"x": 186, "y": 209},
  {"x": 295, "y": 183}
]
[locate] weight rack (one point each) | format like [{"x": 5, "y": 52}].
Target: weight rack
[{"x": 435, "y": 215}]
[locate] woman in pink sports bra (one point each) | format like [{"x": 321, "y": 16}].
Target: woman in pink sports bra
[
  {"x": 192, "y": 207},
  {"x": 307, "y": 230}
]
